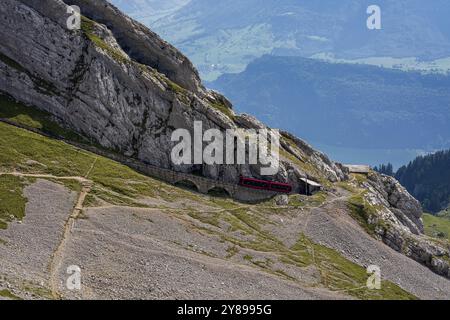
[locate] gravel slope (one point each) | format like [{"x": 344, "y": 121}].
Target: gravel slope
[
  {"x": 130, "y": 253},
  {"x": 25, "y": 258},
  {"x": 333, "y": 227}
]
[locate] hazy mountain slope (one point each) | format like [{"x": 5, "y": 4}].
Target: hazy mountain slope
[
  {"x": 224, "y": 37},
  {"x": 428, "y": 179},
  {"x": 344, "y": 105},
  {"x": 149, "y": 11}
]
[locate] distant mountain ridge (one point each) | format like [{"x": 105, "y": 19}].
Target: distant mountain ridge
[
  {"x": 149, "y": 11},
  {"x": 224, "y": 36},
  {"x": 354, "y": 106}
]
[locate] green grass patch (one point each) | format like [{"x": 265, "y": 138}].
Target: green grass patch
[
  {"x": 34, "y": 118},
  {"x": 232, "y": 251},
  {"x": 122, "y": 179},
  {"x": 175, "y": 87},
  {"x": 20, "y": 150},
  {"x": 114, "y": 182},
  {"x": 340, "y": 274},
  {"x": 363, "y": 212},
  {"x": 249, "y": 219},
  {"x": 100, "y": 193},
  {"x": 359, "y": 177},
  {"x": 70, "y": 184},
  {"x": 224, "y": 203},
  {"x": 12, "y": 201},
  {"x": 290, "y": 142},
  {"x": 5, "y": 293},
  {"x": 18, "y": 147},
  {"x": 91, "y": 201},
  {"x": 37, "y": 290},
  {"x": 436, "y": 226},
  {"x": 210, "y": 218},
  {"x": 223, "y": 109},
  {"x": 88, "y": 28},
  {"x": 347, "y": 186},
  {"x": 181, "y": 92},
  {"x": 301, "y": 201},
  {"x": 248, "y": 257}
]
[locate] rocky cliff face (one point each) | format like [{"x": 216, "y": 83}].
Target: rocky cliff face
[
  {"x": 387, "y": 192},
  {"x": 395, "y": 217},
  {"x": 114, "y": 81},
  {"x": 121, "y": 86}
]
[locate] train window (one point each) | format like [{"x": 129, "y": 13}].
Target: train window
[
  {"x": 274, "y": 186},
  {"x": 253, "y": 183},
  {"x": 280, "y": 187}
]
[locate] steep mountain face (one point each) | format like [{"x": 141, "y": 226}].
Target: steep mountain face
[
  {"x": 428, "y": 179},
  {"x": 345, "y": 105},
  {"x": 119, "y": 85},
  {"x": 224, "y": 37},
  {"x": 116, "y": 83}
]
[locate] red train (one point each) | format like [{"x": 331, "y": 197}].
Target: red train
[{"x": 265, "y": 185}]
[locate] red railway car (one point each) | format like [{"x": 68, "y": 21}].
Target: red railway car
[{"x": 265, "y": 185}]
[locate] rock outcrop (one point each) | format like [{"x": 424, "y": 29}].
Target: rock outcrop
[
  {"x": 405, "y": 207},
  {"x": 140, "y": 43},
  {"x": 396, "y": 220}
]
